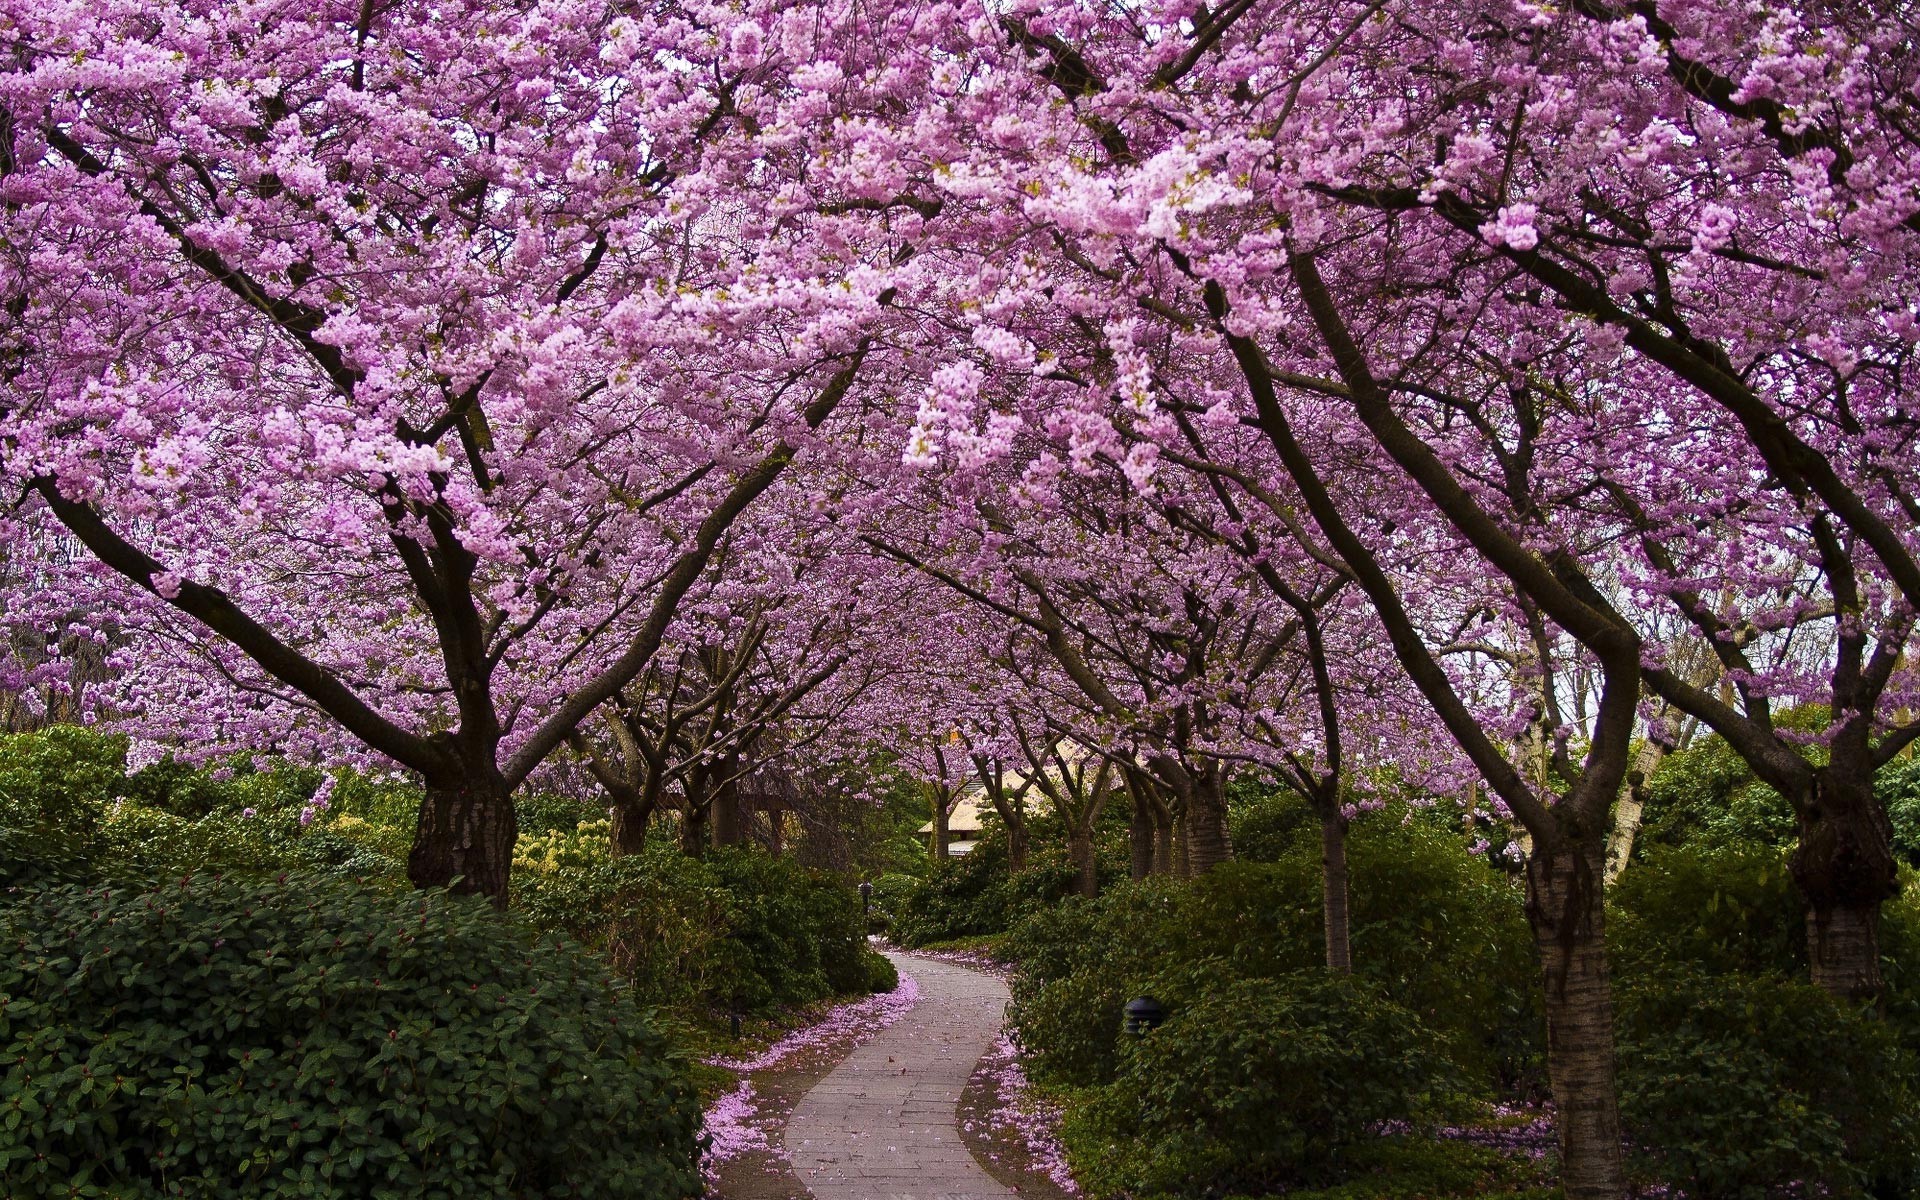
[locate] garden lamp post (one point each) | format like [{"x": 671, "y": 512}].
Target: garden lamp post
[
  {"x": 1144, "y": 1013},
  {"x": 866, "y": 897}
]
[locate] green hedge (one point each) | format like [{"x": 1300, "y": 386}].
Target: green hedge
[
  {"x": 1738, "y": 1077},
  {"x": 1707, "y": 796},
  {"x": 1444, "y": 933},
  {"x": 1255, "y": 1083},
  {"x": 70, "y": 812},
  {"x": 978, "y": 893},
  {"x": 736, "y": 929},
  {"x": 1745, "y": 1088},
  {"x": 216, "y": 1037}
]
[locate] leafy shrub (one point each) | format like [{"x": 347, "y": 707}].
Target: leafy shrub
[
  {"x": 69, "y": 812},
  {"x": 1269, "y": 824},
  {"x": 1898, "y": 786},
  {"x": 56, "y": 787},
  {"x": 1737, "y": 1075},
  {"x": 1440, "y": 929},
  {"x": 1721, "y": 909},
  {"x": 1411, "y": 1167},
  {"x": 1742, "y": 1087},
  {"x": 1256, "y": 1082},
  {"x": 306, "y": 1037},
  {"x": 882, "y": 975},
  {"x": 801, "y": 930},
  {"x": 1707, "y": 796},
  {"x": 891, "y": 892},
  {"x": 979, "y": 893},
  {"x": 736, "y": 929},
  {"x": 1733, "y": 910}
]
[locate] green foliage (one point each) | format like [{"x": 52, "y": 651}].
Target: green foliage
[
  {"x": 69, "y": 812},
  {"x": 1410, "y": 1167},
  {"x": 882, "y": 975},
  {"x": 1729, "y": 908},
  {"x": 891, "y": 892},
  {"x": 1255, "y": 1082},
  {"x": 978, "y": 893},
  {"x": 1733, "y": 910},
  {"x": 1898, "y": 786},
  {"x": 547, "y": 812},
  {"x": 736, "y": 929},
  {"x": 1738, "y": 1076},
  {"x": 1706, "y": 795},
  {"x": 1443, "y": 932},
  {"x": 56, "y": 788},
  {"x": 1268, "y": 824},
  {"x": 1740, "y": 1087},
  {"x": 217, "y": 1037}
]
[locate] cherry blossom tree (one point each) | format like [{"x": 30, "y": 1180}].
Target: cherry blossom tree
[{"x": 402, "y": 368}]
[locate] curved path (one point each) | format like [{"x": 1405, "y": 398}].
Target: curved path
[{"x": 881, "y": 1125}]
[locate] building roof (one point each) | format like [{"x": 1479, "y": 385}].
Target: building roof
[{"x": 970, "y": 811}]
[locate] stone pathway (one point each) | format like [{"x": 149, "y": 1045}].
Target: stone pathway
[{"x": 881, "y": 1125}]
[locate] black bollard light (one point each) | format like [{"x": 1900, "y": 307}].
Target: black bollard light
[
  {"x": 1144, "y": 1013},
  {"x": 866, "y": 897}
]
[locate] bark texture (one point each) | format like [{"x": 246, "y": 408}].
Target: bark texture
[
  {"x": 1140, "y": 838},
  {"x": 630, "y": 818},
  {"x": 1564, "y": 907},
  {"x": 464, "y": 838},
  {"x": 1163, "y": 842},
  {"x": 1628, "y": 808},
  {"x": 1336, "y": 918},
  {"x": 1086, "y": 880},
  {"x": 1845, "y": 869},
  {"x": 941, "y": 847},
  {"x": 1208, "y": 843},
  {"x": 694, "y": 829}
]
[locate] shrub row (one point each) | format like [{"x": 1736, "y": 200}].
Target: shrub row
[
  {"x": 737, "y": 929},
  {"x": 1739, "y": 1080},
  {"x": 248, "y": 1037}
]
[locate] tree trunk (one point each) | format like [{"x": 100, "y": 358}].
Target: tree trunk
[
  {"x": 776, "y": 830},
  {"x": 1017, "y": 846},
  {"x": 1564, "y": 907},
  {"x": 1845, "y": 869},
  {"x": 1335, "y": 918},
  {"x": 729, "y": 822},
  {"x": 1080, "y": 852},
  {"x": 464, "y": 838},
  {"x": 1208, "y": 843},
  {"x": 726, "y": 821},
  {"x": 693, "y": 829},
  {"x": 941, "y": 845},
  {"x": 630, "y": 819},
  {"x": 1631, "y": 803},
  {"x": 1163, "y": 841},
  {"x": 1140, "y": 836}
]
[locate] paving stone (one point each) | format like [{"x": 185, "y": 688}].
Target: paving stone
[{"x": 882, "y": 1124}]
